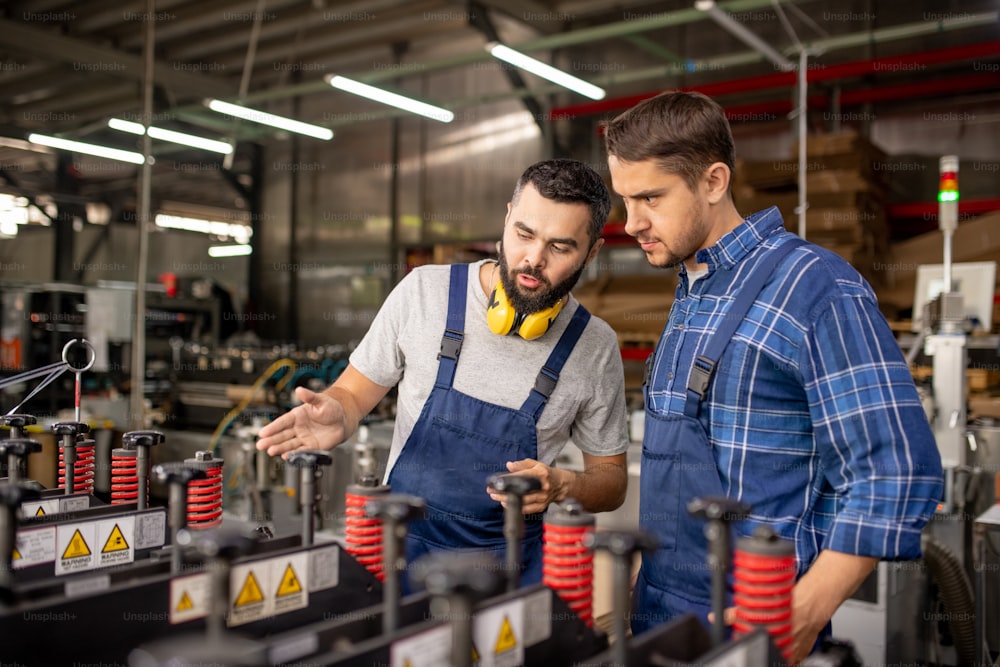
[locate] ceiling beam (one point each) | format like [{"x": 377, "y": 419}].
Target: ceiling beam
[{"x": 86, "y": 57}]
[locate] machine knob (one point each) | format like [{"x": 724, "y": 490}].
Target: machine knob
[
  {"x": 395, "y": 507},
  {"x": 309, "y": 458},
  {"x": 12, "y": 495},
  {"x": 19, "y": 447},
  {"x": 621, "y": 542},
  {"x": 476, "y": 575},
  {"x": 19, "y": 421},
  {"x": 718, "y": 508},
  {"x": 515, "y": 485},
  {"x": 142, "y": 438},
  {"x": 70, "y": 428},
  {"x": 177, "y": 473}
]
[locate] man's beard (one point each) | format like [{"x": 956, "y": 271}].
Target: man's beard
[{"x": 537, "y": 301}]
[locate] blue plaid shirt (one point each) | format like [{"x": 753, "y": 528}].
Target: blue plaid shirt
[{"x": 812, "y": 412}]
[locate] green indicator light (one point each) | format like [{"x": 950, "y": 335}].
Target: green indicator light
[{"x": 948, "y": 195}]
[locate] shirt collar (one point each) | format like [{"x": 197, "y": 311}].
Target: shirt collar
[{"x": 737, "y": 244}]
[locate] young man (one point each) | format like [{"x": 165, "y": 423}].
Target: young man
[
  {"x": 497, "y": 365},
  {"x": 776, "y": 382}
]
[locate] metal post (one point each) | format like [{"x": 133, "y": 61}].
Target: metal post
[{"x": 136, "y": 405}]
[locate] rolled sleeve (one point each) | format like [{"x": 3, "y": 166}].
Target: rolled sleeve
[{"x": 872, "y": 436}]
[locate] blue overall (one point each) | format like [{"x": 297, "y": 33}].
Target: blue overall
[
  {"x": 678, "y": 465},
  {"x": 459, "y": 441}
]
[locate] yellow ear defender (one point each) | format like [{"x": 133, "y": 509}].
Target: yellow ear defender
[{"x": 503, "y": 319}]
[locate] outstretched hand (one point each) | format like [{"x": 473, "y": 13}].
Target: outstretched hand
[{"x": 319, "y": 423}]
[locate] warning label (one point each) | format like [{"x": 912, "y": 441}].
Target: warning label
[
  {"x": 498, "y": 631},
  {"x": 250, "y": 593},
  {"x": 73, "y": 548},
  {"x": 506, "y": 641},
  {"x": 248, "y": 582},
  {"x": 431, "y": 648},
  {"x": 189, "y": 597},
  {"x": 116, "y": 538},
  {"x": 185, "y": 604},
  {"x": 77, "y": 547},
  {"x": 268, "y": 587},
  {"x": 292, "y": 589},
  {"x": 116, "y": 541}
]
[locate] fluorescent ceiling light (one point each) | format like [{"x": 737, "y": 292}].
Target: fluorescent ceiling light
[
  {"x": 89, "y": 149},
  {"x": 264, "y": 118},
  {"x": 740, "y": 32},
  {"x": 238, "y": 232},
  {"x": 545, "y": 71},
  {"x": 230, "y": 250},
  {"x": 392, "y": 99},
  {"x": 169, "y": 135}
]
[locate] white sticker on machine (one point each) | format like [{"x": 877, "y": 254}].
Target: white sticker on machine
[
  {"x": 75, "y": 550},
  {"x": 189, "y": 597},
  {"x": 34, "y": 546}
]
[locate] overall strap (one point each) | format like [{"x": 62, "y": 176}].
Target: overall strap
[
  {"x": 454, "y": 328},
  {"x": 704, "y": 364},
  {"x": 547, "y": 378}
]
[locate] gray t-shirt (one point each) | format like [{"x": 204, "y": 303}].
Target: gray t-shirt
[{"x": 403, "y": 342}]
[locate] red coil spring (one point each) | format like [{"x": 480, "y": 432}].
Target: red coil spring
[
  {"x": 124, "y": 477},
  {"x": 204, "y": 500},
  {"x": 83, "y": 469},
  {"x": 362, "y": 534},
  {"x": 568, "y": 567},
  {"x": 762, "y": 593}
]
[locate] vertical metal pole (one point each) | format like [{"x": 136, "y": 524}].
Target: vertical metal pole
[
  {"x": 513, "y": 531},
  {"x": 178, "y": 519},
  {"x": 391, "y": 553},
  {"x": 137, "y": 415},
  {"x": 802, "y": 129},
  {"x": 8, "y": 530},
  {"x": 622, "y": 566},
  {"x": 307, "y": 499},
  {"x": 460, "y": 608}
]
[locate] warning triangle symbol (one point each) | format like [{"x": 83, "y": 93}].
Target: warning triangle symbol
[
  {"x": 17, "y": 554},
  {"x": 250, "y": 593},
  {"x": 185, "y": 602},
  {"x": 475, "y": 654},
  {"x": 116, "y": 541},
  {"x": 39, "y": 511},
  {"x": 289, "y": 583},
  {"x": 506, "y": 639},
  {"x": 77, "y": 546}
]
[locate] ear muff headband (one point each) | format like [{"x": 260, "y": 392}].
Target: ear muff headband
[{"x": 502, "y": 318}]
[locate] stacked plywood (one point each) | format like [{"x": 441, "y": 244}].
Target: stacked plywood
[
  {"x": 636, "y": 306},
  {"x": 845, "y": 186}
]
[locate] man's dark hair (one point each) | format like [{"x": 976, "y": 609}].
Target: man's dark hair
[
  {"x": 684, "y": 132},
  {"x": 569, "y": 182}
]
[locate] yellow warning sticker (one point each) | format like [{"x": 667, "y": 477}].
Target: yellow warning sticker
[
  {"x": 407, "y": 663},
  {"x": 39, "y": 511},
  {"x": 116, "y": 541},
  {"x": 184, "y": 604},
  {"x": 506, "y": 639},
  {"x": 289, "y": 583},
  {"x": 250, "y": 593},
  {"x": 17, "y": 554},
  {"x": 77, "y": 546},
  {"x": 475, "y": 653}
]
